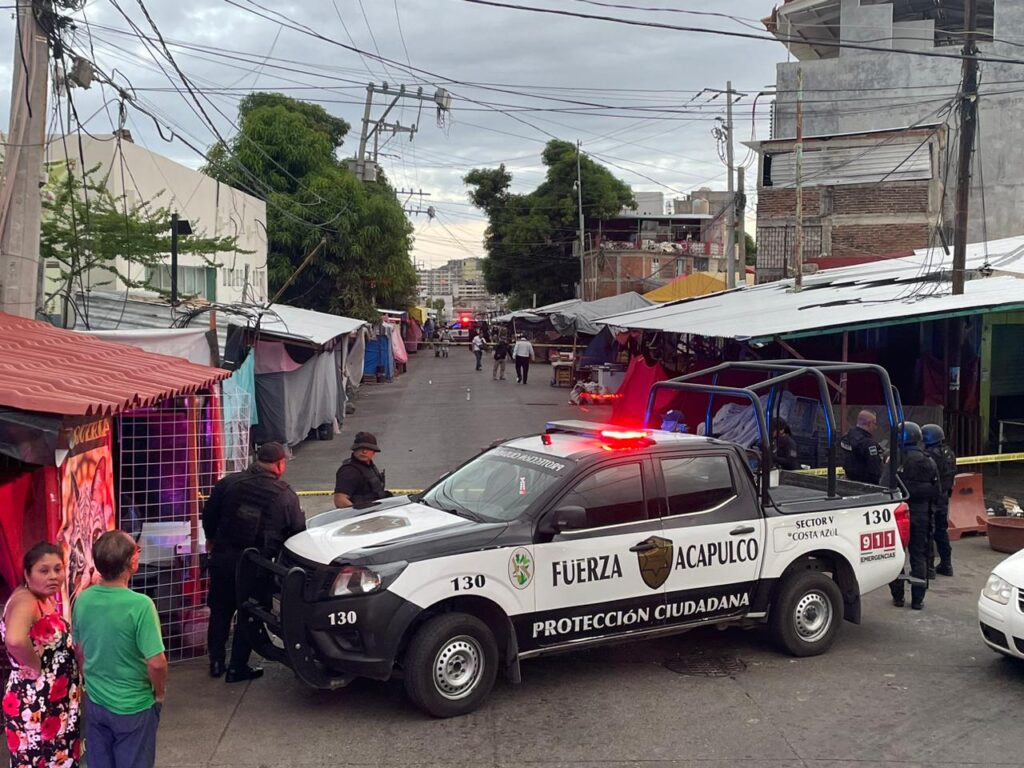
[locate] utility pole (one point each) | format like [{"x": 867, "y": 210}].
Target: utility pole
[
  {"x": 20, "y": 199},
  {"x": 798, "y": 238},
  {"x": 730, "y": 214},
  {"x": 741, "y": 226},
  {"x": 579, "y": 206},
  {"x": 968, "y": 128}
]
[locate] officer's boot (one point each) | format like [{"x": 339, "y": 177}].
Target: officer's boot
[{"x": 945, "y": 568}]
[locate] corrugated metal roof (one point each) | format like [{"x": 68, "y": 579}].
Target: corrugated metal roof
[
  {"x": 831, "y": 166},
  {"x": 51, "y": 370},
  {"x": 861, "y": 296},
  {"x": 302, "y": 324}
]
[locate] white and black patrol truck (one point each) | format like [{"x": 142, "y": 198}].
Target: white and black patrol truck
[{"x": 582, "y": 535}]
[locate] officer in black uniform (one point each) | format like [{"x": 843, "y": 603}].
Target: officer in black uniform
[
  {"x": 785, "y": 453},
  {"x": 862, "y": 455},
  {"x": 944, "y": 458},
  {"x": 358, "y": 481},
  {"x": 253, "y": 508},
  {"x": 921, "y": 477}
]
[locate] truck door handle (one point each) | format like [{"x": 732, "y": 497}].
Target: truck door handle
[
  {"x": 644, "y": 546},
  {"x": 741, "y": 530}
]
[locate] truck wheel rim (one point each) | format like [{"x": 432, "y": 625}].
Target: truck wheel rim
[
  {"x": 457, "y": 667},
  {"x": 813, "y": 616}
]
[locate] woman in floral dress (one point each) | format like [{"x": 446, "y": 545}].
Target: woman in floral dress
[{"x": 41, "y": 701}]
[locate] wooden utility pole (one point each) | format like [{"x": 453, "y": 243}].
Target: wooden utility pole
[
  {"x": 579, "y": 207},
  {"x": 968, "y": 128},
  {"x": 730, "y": 214},
  {"x": 20, "y": 200},
  {"x": 741, "y": 226},
  {"x": 798, "y": 235}
]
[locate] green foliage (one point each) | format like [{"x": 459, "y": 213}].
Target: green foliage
[
  {"x": 751, "y": 250},
  {"x": 530, "y": 237},
  {"x": 86, "y": 228},
  {"x": 286, "y": 153}
]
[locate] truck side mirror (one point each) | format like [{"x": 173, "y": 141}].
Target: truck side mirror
[{"x": 564, "y": 519}]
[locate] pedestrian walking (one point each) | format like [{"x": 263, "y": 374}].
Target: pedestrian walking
[
  {"x": 358, "y": 481},
  {"x": 477, "y": 346},
  {"x": 921, "y": 478},
  {"x": 862, "y": 455},
  {"x": 41, "y": 699},
  {"x": 523, "y": 354},
  {"x": 945, "y": 460},
  {"x": 117, "y": 633},
  {"x": 502, "y": 351},
  {"x": 446, "y": 341},
  {"x": 252, "y": 508}
]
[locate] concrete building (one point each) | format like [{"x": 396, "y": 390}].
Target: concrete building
[
  {"x": 460, "y": 283},
  {"x": 639, "y": 251},
  {"x": 213, "y": 209},
  {"x": 881, "y": 104}
]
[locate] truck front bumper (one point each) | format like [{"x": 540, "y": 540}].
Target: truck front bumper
[{"x": 327, "y": 643}]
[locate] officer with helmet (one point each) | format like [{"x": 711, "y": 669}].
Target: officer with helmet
[
  {"x": 945, "y": 460},
  {"x": 921, "y": 478}
]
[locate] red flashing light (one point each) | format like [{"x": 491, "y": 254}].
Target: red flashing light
[
  {"x": 902, "y": 515},
  {"x": 624, "y": 434}
]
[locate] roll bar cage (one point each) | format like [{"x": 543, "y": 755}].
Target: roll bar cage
[{"x": 779, "y": 372}]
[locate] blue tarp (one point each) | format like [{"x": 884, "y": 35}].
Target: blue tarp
[
  {"x": 379, "y": 355},
  {"x": 601, "y": 349}
]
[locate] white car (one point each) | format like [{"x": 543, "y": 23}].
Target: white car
[{"x": 1001, "y": 607}]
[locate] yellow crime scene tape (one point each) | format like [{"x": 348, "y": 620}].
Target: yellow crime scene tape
[{"x": 962, "y": 461}]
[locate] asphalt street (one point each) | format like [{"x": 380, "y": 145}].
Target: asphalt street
[{"x": 904, "y": 688}]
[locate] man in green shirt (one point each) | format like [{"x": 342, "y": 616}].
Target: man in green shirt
[{"x": 117, "y": 636}]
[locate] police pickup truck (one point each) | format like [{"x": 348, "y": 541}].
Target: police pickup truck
[{"x": 585, "y": 534}]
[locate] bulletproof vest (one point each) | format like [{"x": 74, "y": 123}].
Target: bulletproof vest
[
  {"x": 945, "y": 461},
  {"x": 372, "y": 486},
  {"x": 920, "y": 477},
  {"x": 864, "y": 469},
  {"x": 248, "y": 504}
]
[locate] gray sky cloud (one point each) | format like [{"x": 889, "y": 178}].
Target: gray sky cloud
[{"x": 658, "y": 136}]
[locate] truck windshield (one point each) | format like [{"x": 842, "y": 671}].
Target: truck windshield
[{"x": 498, "y": 485}]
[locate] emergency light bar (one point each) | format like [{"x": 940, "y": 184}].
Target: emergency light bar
[{"x": 608, "y": 432}]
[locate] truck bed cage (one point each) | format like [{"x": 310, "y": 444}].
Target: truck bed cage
[{"x": 779, "y": 372}]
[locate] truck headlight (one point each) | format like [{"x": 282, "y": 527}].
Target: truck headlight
[
  {"x": 997, "y": 589},
  {"x": 363, "y": 580}
]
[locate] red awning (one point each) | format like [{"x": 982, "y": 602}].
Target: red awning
[{"x": 51, "y": 370}]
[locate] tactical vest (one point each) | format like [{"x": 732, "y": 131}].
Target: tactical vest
[
  {"x": 372, "y": 487},
  {"x": 945, "y": 460},
  {"x": 249, "y": 504}
]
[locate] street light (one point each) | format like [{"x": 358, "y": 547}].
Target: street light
[{"x": 178, "y": 227}]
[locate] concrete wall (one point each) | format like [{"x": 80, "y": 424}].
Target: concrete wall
[
  {"x": 862, "y": 79},
  {"x": 214, "y": 209}
]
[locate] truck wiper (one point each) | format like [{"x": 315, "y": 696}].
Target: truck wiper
[{"x": 466, "y": 513}]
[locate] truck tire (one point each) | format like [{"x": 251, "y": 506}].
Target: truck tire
[
  {"x": 451, "y": 664},
  {"x": 806, "y": 613}
]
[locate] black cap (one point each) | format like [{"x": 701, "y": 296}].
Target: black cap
[
  {"x": 271, "y": 453},
  {"x": 365, "y": 440}
]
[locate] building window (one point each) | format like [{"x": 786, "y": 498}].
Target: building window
[{"x": 191, "y": 280}]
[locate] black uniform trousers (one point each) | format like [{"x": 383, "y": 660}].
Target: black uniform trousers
[
  {"x": 940, "y": 537},
  {"x": 917, "y": 551},
  {"x": 522, "y": 369},
  {"x": 223, "y": 606}
]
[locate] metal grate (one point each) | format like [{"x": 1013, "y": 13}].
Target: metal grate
[
  {"x": 170, "y": 456},
  {"x": 696, "y": 665}
]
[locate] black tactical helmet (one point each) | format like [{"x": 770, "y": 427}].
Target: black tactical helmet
[
  {"x": 932, "y": 434},
  {"x": 910, "y": 433}
]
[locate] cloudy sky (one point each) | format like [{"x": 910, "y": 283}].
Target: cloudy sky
[{"x": 631, "y": 94}]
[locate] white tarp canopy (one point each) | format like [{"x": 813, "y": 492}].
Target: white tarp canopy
[
  {"x": 308, "y": 325},
  {"x": 191, "y": 344},
  {"x": 862, "y": 296},
  {"x": 577, "y": 316}
]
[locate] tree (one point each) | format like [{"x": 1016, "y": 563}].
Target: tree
[
  {"x": 286, "y": 152},
  {"x": 530, "y": 238},
  {"x": 751, "y": 250},
  {"x": 86, "y": 229}
]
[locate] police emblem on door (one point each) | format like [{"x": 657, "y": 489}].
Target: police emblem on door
[{"x": 655, "y": 560}]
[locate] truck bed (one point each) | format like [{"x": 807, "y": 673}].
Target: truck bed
[{"x": 797, "y": 493}]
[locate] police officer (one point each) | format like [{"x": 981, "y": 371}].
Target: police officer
[
  {"x": 785, "y": 453},
  {"x": 862, "y": 455},
  {"x": 253, "y": 508},
  {"x": 358, "y": 482},
  {"x": 921, "y": 478},
  {"x": 944, "y": 458}
]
